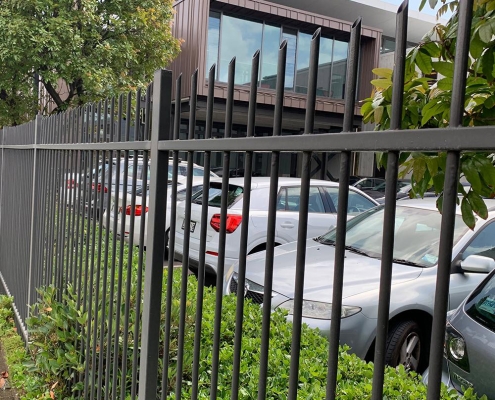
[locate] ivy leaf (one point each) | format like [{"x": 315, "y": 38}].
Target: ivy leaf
[
  {"x": 467, "y": 213},
  {"x": 444, "y": 68},
  {"x": 378, "y": 114},
  {"x": 486, "y": 31},
  {"x": 487, "y": 65}
]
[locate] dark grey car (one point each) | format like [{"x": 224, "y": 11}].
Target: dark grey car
[{"x": 469, "y": 350}]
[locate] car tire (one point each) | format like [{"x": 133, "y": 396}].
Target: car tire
[{"x": 404, "y": 346}]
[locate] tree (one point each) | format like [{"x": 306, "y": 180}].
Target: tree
[
  {"x": 427, "y": 104},
  {"x": 97, "y": 48}
]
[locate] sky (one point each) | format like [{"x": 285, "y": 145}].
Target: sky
[{"x": 414, "y": 5}]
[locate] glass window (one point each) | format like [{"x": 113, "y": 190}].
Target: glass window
[
  {"x": 339, "y": 66},
  {"x": 291, "y": 36},
  {"x": 324, "y": 67},
  {"x": 290, "y": 198},
  {"x": 215, "y": 195},
  {"x": 356, "y": 203},
  {"x": 269, "y": 56},
  {"x": 181, "y": 194},
  {"x": 241, "y": 39},
  {"x": 483, "y": 244},
  {"x": 417, "y": 234},
  {"x": 213, "y": 40},
  {"x": 481, "y": 304},
  {"x": 302, "y": 73}
]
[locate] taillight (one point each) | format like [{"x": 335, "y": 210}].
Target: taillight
[
  {"x": 233, "y": 221},
  {"x": 98, "y": 188},
  {"x": 138, "y": 210},
  {"x": 455, "y": 348},
  {"x": 71, "y": 184}
]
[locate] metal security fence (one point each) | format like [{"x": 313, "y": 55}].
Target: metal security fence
[{"x": 73, "y": 185}]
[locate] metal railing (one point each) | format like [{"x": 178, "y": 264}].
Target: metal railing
[{"x": 64, "y": 223}]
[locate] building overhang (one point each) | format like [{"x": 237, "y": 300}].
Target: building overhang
[{"x": 375, "y": 13}]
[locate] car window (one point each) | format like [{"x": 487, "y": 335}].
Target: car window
[
  {"x": 215, "y": 195},
  {"x": 417, "y": 234},
  {"x": 181, "y": 194},
  {"x": 481, "y": 304},
  {"x": 357, "y": 203},
  {"x": 483, "y": 244},
  {"x": 289, "y": 199}
]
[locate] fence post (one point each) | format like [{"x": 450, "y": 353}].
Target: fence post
[
  {"x": 153, "y": 276},
  {"x": 37, "y": 127}
]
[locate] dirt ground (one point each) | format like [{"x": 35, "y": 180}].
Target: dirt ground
[{"x": 6, "y": 393}]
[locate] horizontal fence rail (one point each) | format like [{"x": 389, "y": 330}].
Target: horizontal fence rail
[{"x": 97, "y": 214}]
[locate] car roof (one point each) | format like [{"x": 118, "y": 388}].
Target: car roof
[{"x": 258, "y": 182}]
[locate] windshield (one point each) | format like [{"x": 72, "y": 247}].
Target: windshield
[
  {"x": 215, "y": 195},
  {"x": 481, "y": 304},
  {"x": 417, "y": 234}
]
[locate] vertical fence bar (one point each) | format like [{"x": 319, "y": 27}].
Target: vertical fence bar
[
  {"x": 187, "y": 236},
  {"x": 131, "y": 244},
  {"x": 248, "y": 166},
  {"x": 120, "y": 278},
  {"x": 202, "y": 236},
  {"x": 162, "y": 89},
  {"x": 303, "y": 219},
  {"x": 99, "y": 386},
  {"x": 139, "y": 284},
  {"x": 171, "y": 247},
  {"x": 343, "y": 200},
  {"x": 33, "y": 206},
  {"x": 449, "y": 201},
  {"x": 271, "y": 223},
  {"x": 109, "y": 357},
  {"x": 390, "y": 206},
  {"x": 222, "y": 234}
]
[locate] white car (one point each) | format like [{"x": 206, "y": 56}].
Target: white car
[
  {"x": 197, "y": 184},
  {"x": 323, "y": 197}
]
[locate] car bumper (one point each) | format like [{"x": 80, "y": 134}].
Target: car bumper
[{"x": 445, "y": 375}]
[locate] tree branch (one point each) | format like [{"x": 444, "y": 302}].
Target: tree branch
[{"x": 53, "y": 93}]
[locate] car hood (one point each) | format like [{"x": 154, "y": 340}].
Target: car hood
[{"x": 361, "y": 273}]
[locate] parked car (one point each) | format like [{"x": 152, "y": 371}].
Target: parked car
[
  {"x": 469, "y": 349},
  {"x": 323, "y": 198},
  {"x": 198, "y": 173},
  {"x": 413, "y": 278},
  {"x": 368, "y": 183},
  {"x": 404, "y": 193}
]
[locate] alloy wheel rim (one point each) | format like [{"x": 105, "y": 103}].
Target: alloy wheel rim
[{"x": 410, "y": 352}]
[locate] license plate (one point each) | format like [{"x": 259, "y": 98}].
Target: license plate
[{"x": 192, "y": 225}]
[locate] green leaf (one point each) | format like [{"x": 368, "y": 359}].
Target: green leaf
[
  {"x": 486, "y": 32},
  {"x": 423, "y": 61},
  {"x": 378, "y": 113},
  {"x": 477, "y": 204},
  {"x": 445, "y": 83},
  {"x": 444, "y": 68},
  {"x": 490, "y": 102},
  {"x": 477, "y": 46},
  {"x": 467, "y": 213},
  {"x": 472, "y": 175},
  {"x": 383, "y": 73},
  {"x": 487, "y": 64},
  {"x": 488, "y": 174},
  {"x": 381, "y": 83},
  {"x": 431, "y": 48}
]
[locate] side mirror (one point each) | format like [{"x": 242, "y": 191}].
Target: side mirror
[{"x": 478, "y": 264}]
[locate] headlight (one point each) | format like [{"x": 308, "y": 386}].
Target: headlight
[
  {"x": 250, "y": 285},
  {"x": 318, "y": 310},
  {"x": 455, "y": 348}
]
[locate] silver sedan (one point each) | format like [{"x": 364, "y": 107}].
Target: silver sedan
[{"x": 413, "y": 283}]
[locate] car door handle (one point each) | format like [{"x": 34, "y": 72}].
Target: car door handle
[{"x": 287, "y": 225}]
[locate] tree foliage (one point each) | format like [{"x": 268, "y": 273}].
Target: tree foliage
[
  {"x": 427, "y": 103},
  {"x": 97, "y": 47}
]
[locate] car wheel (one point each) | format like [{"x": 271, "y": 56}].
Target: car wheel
[
  {"x": 167, "y": 242},
  {"x": 404, "y": 346}
]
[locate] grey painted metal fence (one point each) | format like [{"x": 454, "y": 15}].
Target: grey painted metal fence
[{"x": 59, "y": 225}]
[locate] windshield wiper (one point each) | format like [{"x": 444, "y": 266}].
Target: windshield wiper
[
  {"x": 359, "y": 251},
  {"x": 407, "y": 262},
  {"x": 322, "y": 240}
]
